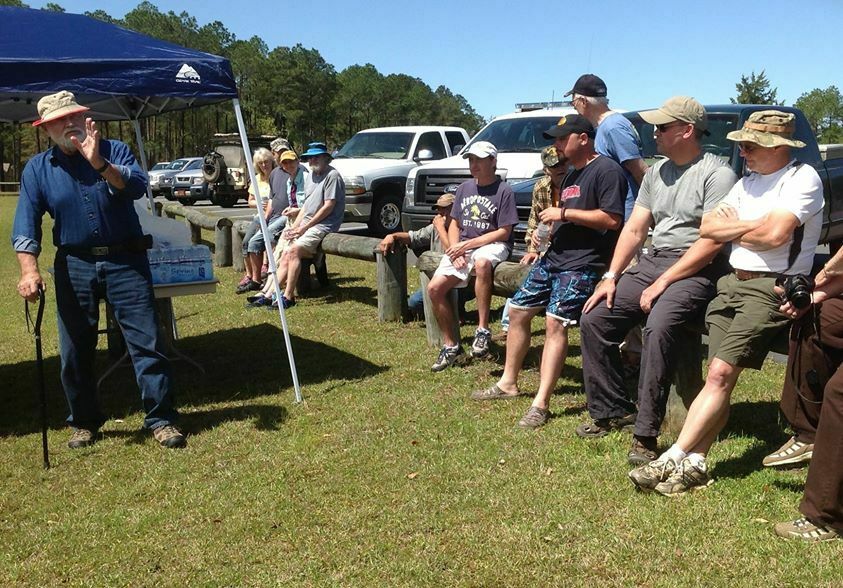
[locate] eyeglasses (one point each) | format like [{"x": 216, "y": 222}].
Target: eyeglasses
[
  {"x": 747, "y": 147},
  {"x": 663, "y": 127}
]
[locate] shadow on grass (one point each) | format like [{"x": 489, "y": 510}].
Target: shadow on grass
[
  {"x": 240, "y": 364},
  {"x": 751, "y": 419}
]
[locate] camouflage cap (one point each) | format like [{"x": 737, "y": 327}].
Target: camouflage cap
[
  {"x": 280, "y": 145},
  {"x": 683, "y": 108},
  {"x": 768, "y": 128},
  {"x": 549, "y": 156}
]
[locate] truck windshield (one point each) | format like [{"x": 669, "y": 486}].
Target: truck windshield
[
  {"x": 377, "y": 146},
  {"x": 719, "y": 125},
  {"x": 177, "y": 164},
  {"x": 517, "y": 135}
]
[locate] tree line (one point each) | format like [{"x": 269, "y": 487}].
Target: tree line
[{"x": 288, "y": 91}]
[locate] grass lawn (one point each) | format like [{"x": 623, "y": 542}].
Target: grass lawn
[{"x": 387, "y": 475}]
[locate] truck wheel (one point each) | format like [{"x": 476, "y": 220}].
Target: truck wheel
[
  {"x": 386, "y": 215},
  {"x": 213, "y": 168},
  {"x": 225, "y": 200}
]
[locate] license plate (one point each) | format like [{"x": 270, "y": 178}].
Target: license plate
[{"x": 181, "y": 192}]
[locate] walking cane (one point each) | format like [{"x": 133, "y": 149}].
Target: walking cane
[{"x": 39, "y": 362}]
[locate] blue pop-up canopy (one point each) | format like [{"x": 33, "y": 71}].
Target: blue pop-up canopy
[{"x": 118, "y": 73}]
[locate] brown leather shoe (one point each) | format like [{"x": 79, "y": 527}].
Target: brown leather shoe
[
  {"x": 82, "y": 438},
  {"x": 643, "y": 450},
  {"x": 169, "y": 436}
]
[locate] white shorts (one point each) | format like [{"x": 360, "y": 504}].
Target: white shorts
[
  {"x": 309, "y": 242},
  {"x": 495, "y": 252}
]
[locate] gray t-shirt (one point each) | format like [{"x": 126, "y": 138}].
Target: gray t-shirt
[
  {"x": 426, "y": 237},
  {"x": 278, "y": 191},
  {"x": 678, "y": 196},
  {"x": 319, "y": 188}
]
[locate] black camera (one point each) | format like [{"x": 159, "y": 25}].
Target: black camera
[{"x": 797, "y": 290}]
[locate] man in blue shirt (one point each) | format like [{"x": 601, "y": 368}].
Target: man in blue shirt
[
  {"x": 88, "y": 187},
  {"x": 616, "y": 137}
]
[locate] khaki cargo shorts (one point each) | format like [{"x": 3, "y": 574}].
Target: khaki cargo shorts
[{"x": 743, "y": 320}]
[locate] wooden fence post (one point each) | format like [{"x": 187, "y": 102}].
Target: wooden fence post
[
  {"x": 237, "y": 231},
  {"x": 392, "y": 284},
  {"x": 222, "y": 243},
  {"x": 687, "y": 382}
]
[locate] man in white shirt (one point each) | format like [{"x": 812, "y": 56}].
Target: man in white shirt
[{"x": 773, "y": 218}]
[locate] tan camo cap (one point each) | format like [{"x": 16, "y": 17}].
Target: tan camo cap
[
  {"x": 682, "y": 108},
  {"x": 549, "y": 156},
  {"x": 768, "y": 128},
  {"x": 57, "y": 105}
]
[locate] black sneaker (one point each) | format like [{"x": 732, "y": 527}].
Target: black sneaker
[
  {"x": 480, "y": 345},
  {"x": 250, "y": 286},
  {"x": 448, "y": 357}
]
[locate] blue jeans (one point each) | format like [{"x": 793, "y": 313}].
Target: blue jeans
[
  {"x": 125, "y": 281},
  {"x": 275, "y": 226},
  {"x": 416, "y": 303}
]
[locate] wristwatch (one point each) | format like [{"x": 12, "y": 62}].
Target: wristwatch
[
  {"x": 104, "y": 167},
  {"x": 609, "y": 276}
]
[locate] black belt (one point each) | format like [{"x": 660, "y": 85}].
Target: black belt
[{"x": 139, "y": 245}]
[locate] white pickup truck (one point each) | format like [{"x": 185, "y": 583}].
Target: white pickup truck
[
  {"x": 375, "y": 163},
  {"x": 518, "y": 137}
]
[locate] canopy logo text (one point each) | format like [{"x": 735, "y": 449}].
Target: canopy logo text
[{"x": 188, "y": 75}]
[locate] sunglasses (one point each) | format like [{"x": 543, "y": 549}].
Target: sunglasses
[
  {"x": 747, "y": 147},
  {"x": 663, "y": 127}
]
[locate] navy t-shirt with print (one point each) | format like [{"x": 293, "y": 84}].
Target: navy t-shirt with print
[
  {"x": 482, "y": 209},
  {"x": 599, "y": 185}
]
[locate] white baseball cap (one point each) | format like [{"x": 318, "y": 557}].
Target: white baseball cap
[{"x": 481, "y": 149}]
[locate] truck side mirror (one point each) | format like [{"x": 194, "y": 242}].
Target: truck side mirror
[{"x": 425, "y": 155}]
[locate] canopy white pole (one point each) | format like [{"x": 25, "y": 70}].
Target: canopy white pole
[
  {"x": 136, "y": 124},
  {"x": 267, "y": 243}
]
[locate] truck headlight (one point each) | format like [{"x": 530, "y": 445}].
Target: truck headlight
[
  {"x": 354, "y": 185},
  {"x": 410, "y": 190},
  {"x": 198, "y": 181}
]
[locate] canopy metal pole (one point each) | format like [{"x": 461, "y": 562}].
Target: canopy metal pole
[
  {"x": 267, "y": 243},
  {"x": 142, "y": 152}
]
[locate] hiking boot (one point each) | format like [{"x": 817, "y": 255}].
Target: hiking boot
[
  {"x": 480, "y": 345},
  {"x": 250, "y": 286},
  {"x": 793, "y": 451},
  {"x": 448, "y": 356},
  {"x": 684, "y": 478},
  {"x": 643, "y": 450},
  {"x": 495, "y": 392},
  {"x": 534, "y": 418},
  {"x": 169, "y": 436},
  {"x": 82, "y": 438},
  {"x": 602, "y": 427},
  {"x": 648, "y": 476},
  {"x": 806, "y": 530}
]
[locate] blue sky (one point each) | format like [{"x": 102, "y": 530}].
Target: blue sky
[{"x": 497, "y": 53}]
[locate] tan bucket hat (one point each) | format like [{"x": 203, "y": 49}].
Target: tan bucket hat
[
  {"x": 444, "y": 201},
  {"x": 768, "y": 128},
  {"x": 57, "y": 105},
  {"x": 682, "y": 108}
]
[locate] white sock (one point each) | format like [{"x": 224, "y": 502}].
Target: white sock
[
  {"x": 697, "y": 460},
  {"x": 675, "y": 453}
]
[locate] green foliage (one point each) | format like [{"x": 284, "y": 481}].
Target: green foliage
[
  {"x": 824, "y": 110},
  {"x": 53, "y": 7},
  {"x": 15, "y": 3},
  {"x": 291, "y": 91},
  {"x": 755, "y": 89}
]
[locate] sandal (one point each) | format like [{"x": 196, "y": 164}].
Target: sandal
[
  {"x": 494, "y": 393},
  {"x": 602, "y": 427},
  {"x": 534, "y": 418}
]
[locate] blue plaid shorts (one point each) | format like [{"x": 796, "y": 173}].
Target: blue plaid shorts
[{"x": 563, "y": 293}]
